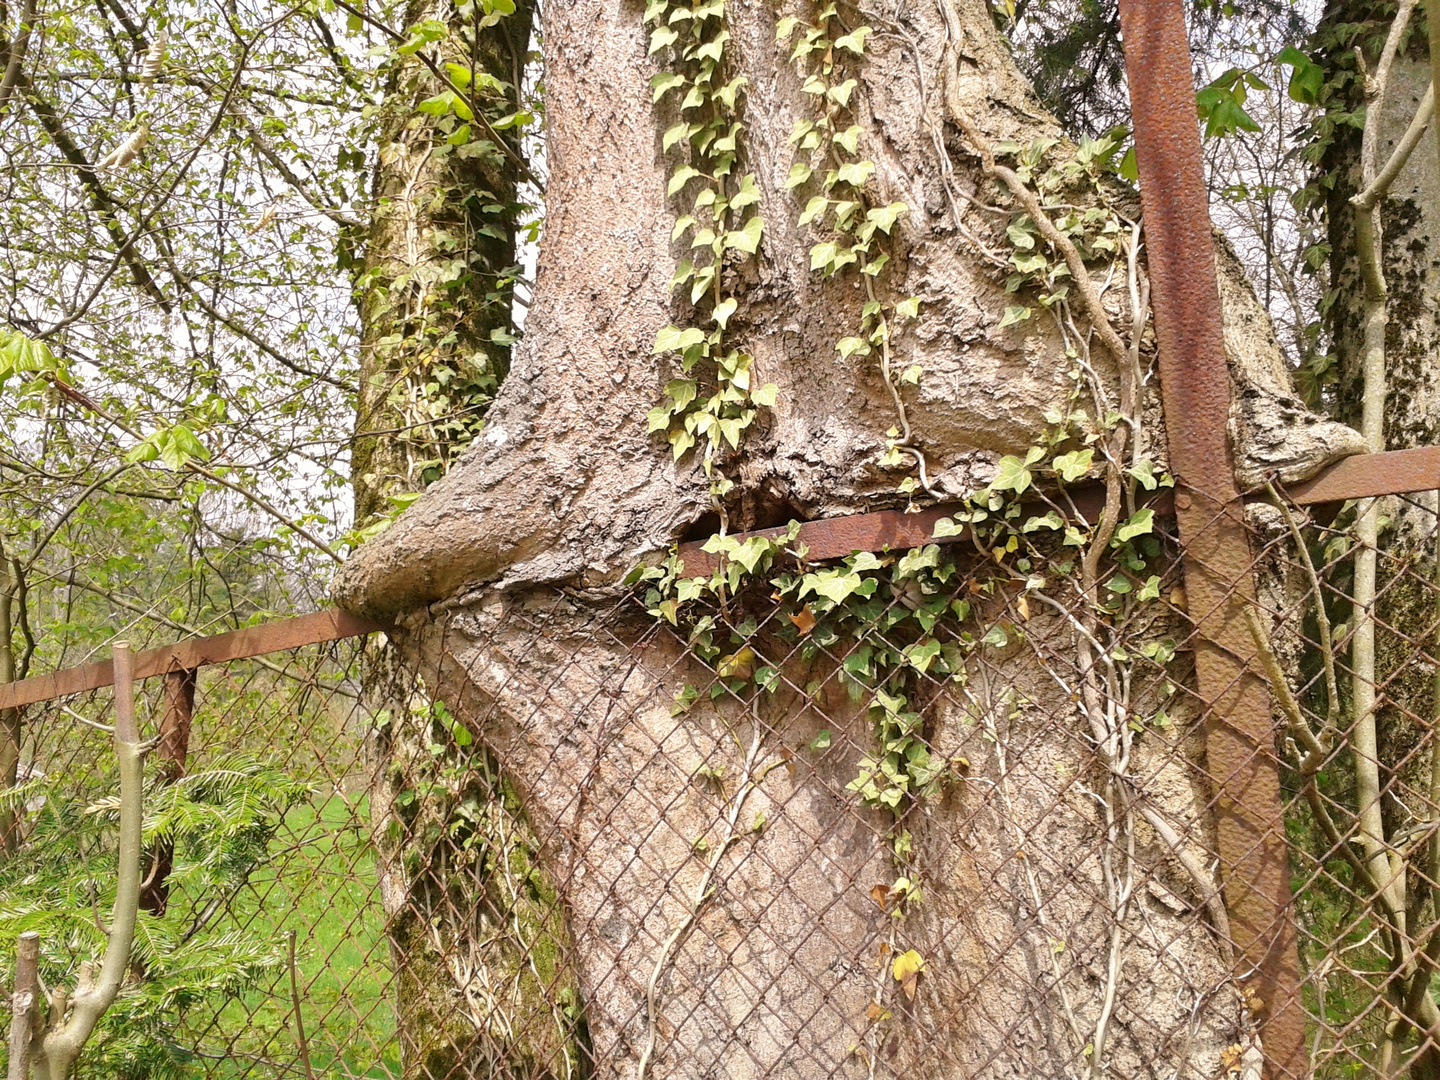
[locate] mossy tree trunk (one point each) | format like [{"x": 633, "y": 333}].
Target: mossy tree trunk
[
  {"x": 1410, "y": 257},
  {"x": 475, "y": 937},
  {"x": 437, "y": 283}
]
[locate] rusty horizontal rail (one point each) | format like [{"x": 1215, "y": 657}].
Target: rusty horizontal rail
[
  {"x": 1395, "y": 472},
  {"x": 322, "y": 626}
]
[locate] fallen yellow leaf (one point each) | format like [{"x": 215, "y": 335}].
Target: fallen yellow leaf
[
  {"x": 739, "y": 663},
  {"x": 906, "y": 969}
]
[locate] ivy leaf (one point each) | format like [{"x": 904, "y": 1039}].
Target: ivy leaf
[
  {"x": 747, "y": 194},
  {"x": 746, "y": 239},
  {"x": 813, "y": 209},
  {"x": 682, "y": 391},
  {"x": 681, "y": 441},
  {"x": 682, "y": 224},
  {"x": 726, "y": 94},
  {"x": 918, "y": 559},
  {"x": 854, "y": 41},
  {"x": 922, "y": 654},
  {"x": 683, "y": 175},
  {"x": 1074, "y": 465},
  {"x": 1052, "y": 521},
  {"x": 884, "y": 217},
  {"x": 850, "y": 345},
  {"x": 841, "y": 94},
  {"x": 1013, "y": 475},
  {"x": 765, "y": 396},
  {"x": 785, "y": 28},
  {"x": 799, "y": 173},
  {"x": 660, "y": 37},
  {"x": 1144, "y": 471},
  {"x": 673, "y": 339},
  {"x": 660, "y": 85},
  {"x": 724, "y": 310},
  {"x": 1138, "y": 525},
  {"x": 834, "y": 585},
  {"x": 856, "y": 173},
  {"x": 822, "y": 255},
  {"x": 1014, "y": 314}
]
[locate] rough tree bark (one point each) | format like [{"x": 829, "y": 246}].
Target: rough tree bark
[{"x": 499, "y": 573}]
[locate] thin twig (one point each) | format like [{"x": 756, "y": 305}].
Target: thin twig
[{"x": 295, "y": 1004}]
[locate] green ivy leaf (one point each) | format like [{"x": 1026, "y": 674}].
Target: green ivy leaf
[
  {"x": 1138, "y": 525},
  {"x": 1074, "y": 465},
  {"x": 660, "y": 85},
  {"x": 856, "y": 173},
  {"x": 813, "y": 209},
  {"x": 746, "y": 239},
  {"x": 1013, "y": 475},
  {"x": 765, "y": 396},
  {"x": 682, "y": 392},
  {"x": 683, "y": 175},
  {"x": 854, "y": 41}
]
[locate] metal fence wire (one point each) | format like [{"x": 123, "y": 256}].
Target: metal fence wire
[{"x": 932, "y": 812}]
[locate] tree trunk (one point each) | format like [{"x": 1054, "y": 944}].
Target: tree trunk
[
  {"x": 723, "y": 914},
  {"x": 436, "y": 286},
  {"x": 1411, "y": 248}
]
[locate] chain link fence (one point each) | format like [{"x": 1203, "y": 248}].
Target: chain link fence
[{"x": 944, "y": 811}]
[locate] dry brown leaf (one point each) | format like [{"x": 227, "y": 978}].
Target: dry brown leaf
[{"x": 804, "y": 620}]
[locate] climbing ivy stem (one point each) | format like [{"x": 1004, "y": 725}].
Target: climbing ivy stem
[{"x": 1022, "y": 194}]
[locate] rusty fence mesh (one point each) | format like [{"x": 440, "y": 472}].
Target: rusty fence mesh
[{"x": 938, "y": 812}]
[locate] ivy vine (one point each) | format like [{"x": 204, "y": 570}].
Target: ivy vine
[{"x": 715, "y": 399}]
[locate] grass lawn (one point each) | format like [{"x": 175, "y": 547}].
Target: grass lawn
[{"x": 320, "y": 884}]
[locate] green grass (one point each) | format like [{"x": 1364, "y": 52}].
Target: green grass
[{"x": 321, "y": 884}]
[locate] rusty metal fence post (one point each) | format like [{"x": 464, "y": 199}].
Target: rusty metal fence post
[{"x": 1195, "y": 385}]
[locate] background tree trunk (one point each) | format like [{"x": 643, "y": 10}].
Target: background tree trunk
[
  {"x": 1410, "y": 257},
  {"x": 473, "y": 940},
  {"x": 503, "y": 576}
]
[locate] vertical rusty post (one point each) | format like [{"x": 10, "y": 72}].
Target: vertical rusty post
[
  {"x": 174, "y": 745},
  {"x": 1195, "y": 387},
  {"x": 170, "y": 754}
]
